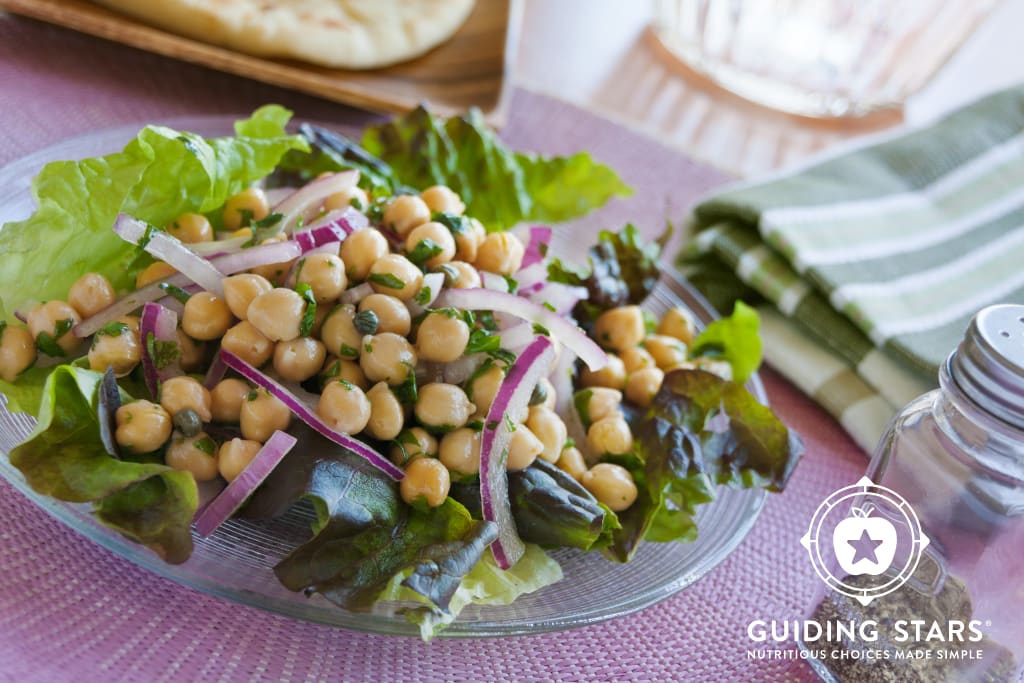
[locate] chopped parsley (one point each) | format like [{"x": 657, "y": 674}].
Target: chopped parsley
[
  {"x": 476, "y": 425},
  {"x": 407, "y": 392},
  {"x": 206, "y": 445},
  {"x": 424, "y": 250},
  {"x": 368, "y": 347},
  {"x": 509, "y": 424},
  {"x": 540, "y": 329},
  {"x": 163, "y": 353},
  {"x": 504, "y": 355},
  {"x": 147, "y": 236},
  {"x": 512, "y": 284},
  {"x": 487, "y": 320},
  {"x": 113, "y": 329},
  {"x": 47, "y": 343},
  {"x": 481, "y": 341},
  {"x": 345, "y": 383},
  {"x": 455, "y": 224},
  {"x": 349, "y": 352},
  {"x": 175, "y": 291},
  {"x": 423, "y": 296},
  {"x": 549, "y": 307},
  {"x": 388, "y": 280},
  {"x": 309, "y": 315}
]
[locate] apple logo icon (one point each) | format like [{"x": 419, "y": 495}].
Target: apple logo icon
[{"x": 864, "y": 544}]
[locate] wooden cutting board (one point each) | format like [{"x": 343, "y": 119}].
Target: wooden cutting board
[{"x": 471, "y": 69}]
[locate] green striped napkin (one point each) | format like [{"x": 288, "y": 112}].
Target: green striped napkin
[{"x": 877, "y": 256}]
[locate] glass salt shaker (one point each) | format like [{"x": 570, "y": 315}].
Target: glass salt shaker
[{"x": 956, "y": 457}]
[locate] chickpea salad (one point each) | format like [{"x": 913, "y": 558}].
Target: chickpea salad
[{"x": 216, "y": 328}]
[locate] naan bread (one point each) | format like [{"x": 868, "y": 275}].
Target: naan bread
[{"x": 351, "y": 34}]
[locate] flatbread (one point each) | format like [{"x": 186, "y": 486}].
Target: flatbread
[{"x": 350, "y": 34}]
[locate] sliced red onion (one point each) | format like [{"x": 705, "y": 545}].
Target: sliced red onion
[
  {"x": 162, "y": 323},
  {"x": 276, "y": 195},
  {"x": 540, "y": 238},
  {"x": 172, "y": 304},
  {"x": 517, "y": 336},
  {"x": 221, "y": 508},
  {"x": 262, "y": 255},
  {"x": 356, "y": 294},
  {"x": 219, "y": 247},
  {"x": 571, "y": 336},
  {"x": 512, "y": 398},
  {"x": 23, "y": 317},
  {"x": 493, "y": 282},
  {"x": 216, "y": 371},
  {"x": 162, "y": 246},
  {"x": 308, "y": 415},
  {"x": 560, "y": 296},
  {"x": 458, "y": 371},
  {"x": 304, "y": 203},
  {"x": 434, "y": 282},
  {"x": 335, "y": 227}
]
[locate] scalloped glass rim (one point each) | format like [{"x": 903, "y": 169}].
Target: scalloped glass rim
[{"x": 236, "y": 562}]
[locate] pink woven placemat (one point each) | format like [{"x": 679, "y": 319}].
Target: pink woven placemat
[{"x": 71, "y": 611}]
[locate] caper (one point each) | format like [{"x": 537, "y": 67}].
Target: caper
[
  {"x": 366, "y": 322},
  {"x": 188, "y": 422},
  {"x": 539, "y": 395}
]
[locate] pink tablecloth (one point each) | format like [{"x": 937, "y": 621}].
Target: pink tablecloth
[{"x": 71, "y": 611}]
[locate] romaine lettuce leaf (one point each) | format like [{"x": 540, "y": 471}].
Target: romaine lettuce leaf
[
  {"x": 734, "y": 339},
  {"x": 65, "y": 458},
  {"x": 158, "y": 176},
  {"x": 485, "y": 584},
  {"x": 500, "y": 188}
]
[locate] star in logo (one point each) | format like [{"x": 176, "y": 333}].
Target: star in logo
[{"x": 864, "y": 547}]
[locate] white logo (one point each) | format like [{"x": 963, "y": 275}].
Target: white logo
[{"x": 876, "y": 541}]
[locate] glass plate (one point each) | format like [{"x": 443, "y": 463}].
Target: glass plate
[{"x": 236, "y": 562}]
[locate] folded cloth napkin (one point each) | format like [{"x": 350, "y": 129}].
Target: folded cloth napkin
[{"x": 876, "y": 257}]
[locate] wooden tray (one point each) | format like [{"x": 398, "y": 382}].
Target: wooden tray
[{"x": 469, "y": 70}]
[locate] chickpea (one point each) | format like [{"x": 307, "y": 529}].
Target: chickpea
[
  {"x": 523, "y": 449},
  {"x": 611, "y": 484},
  {"x": 262, "y": 414},
  {"x": 248, "y": 205},
  {"x": 339, "y": 332},
  {"x": 387, "y": 357},
  {"x": 439, "y": 235},
  {"x": 234, "y": 456},
  {"x": 610, "y": 435},
  {"x": 241, "y": 289},
  {"x": 277, "y": 314},
  {"x": 196, "y": 454},
  {"x": 344, "y": 407},
  {"x": 612, "y": 375},
  {"x": 396, "y": 275},
  {"x": 226, "y": 399},
  {"x": 348, "y": 370},
  {"x": 413, "y": 443},
  {"x": 325, "y": 275},
  {"x": 392, "y": 314},
  {"x": 51, "y": 315},
  {"x": 551, "y": 431},
  {"x": 386, "y": 414},
  {"x": 191, "y": 228},
  {"x": 299, "y": 359},
  {"x": 467, "y": 242},
  {"x": 601, "y": 403},
  {"x": 132, "y": 321},
  {"x": 90, "y": 294},
  {"x": 484, "y": 387},
  {"x": 571, "y": 462},
  {"x": 17, "y": 352},
  {"x": 620, "y": 328},
  {"x": 643, "y": 385},
  {"x": 179, "y": 393},
  {"x": 460, "y": 452},
  {"x": 666, "y": 351},
  {"x": 191, "y": 353},
  {"x": 425, "y": 479},
  {"x": 442, "y": 199},
  {"x": 121, "y": 352},
  {"x": 442, "y": 338},
  {"x": 461, "y": 275},
  {"x": 636, "y": 358},
  {"x": 206, "y": 316},
  {"x": 500, "y": 252},
  {"x": 405, "y": 212},
  {"x": 443, "y": 407},
  {"x": 715, "y": 366},
  {"x": 360, "y": 250},
  {"x": 354, "y": 196},
  {"x": 679, "y": 323},
  {"x": 158, "y": 270},
  {"x": 142, "y": 426},
  {"x": 248, "y": 343}
]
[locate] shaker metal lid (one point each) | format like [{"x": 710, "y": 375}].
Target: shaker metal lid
[{"x": 989, "y": 363}]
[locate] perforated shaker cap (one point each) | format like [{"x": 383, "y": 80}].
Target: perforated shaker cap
[{"x": 989, "y": 363}]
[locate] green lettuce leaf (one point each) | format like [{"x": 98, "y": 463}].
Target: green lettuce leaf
[
  {"x": 485, "y": 584},
  {"x": 25, "y": 395},
  {"x": 701, "y": 431},
  {"x": 158, "y": 176},
  {"x": 500, "y": 188},
  {"x": 734, "y": 339},
  {"x": 65, "y": 458}
]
